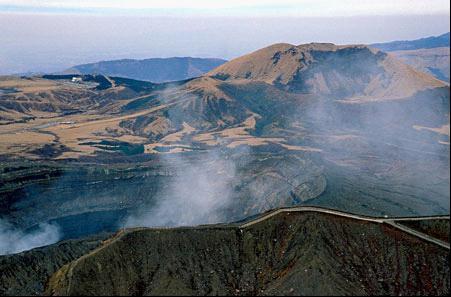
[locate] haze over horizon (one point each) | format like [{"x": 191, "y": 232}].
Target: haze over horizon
[
  {"x": 226, "y": 147},
  {"x": 52, "y": 35}
]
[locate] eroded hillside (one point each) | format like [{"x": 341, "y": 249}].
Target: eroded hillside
[
  {"x": 27, "y": 273},
  {"x": 340, "y": 126},
  {"x": 291, "y": 253}
]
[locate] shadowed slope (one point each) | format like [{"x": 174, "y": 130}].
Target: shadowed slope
[
  {"x": 27, "y": 273},
  {"x": 290, "y": 253},
  {"x": 343, "y": 72}
]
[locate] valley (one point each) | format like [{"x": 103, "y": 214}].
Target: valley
[
  {"x": 224, "y": 148},
  {"x": 261, "y": 161},
  {"x": 271, "y": 135}
]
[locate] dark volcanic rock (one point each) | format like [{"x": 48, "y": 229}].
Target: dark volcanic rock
[
  {"x": 87, "y": 199},
  {"x": 436, "y": 228},
  {"x": 288, "y": 254},
  {"x": 26, "y": 273}
]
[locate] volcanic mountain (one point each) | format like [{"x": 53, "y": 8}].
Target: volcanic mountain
[
  {"x": 344, "y": 127},
  {"x": 355, "y": 72},
  {"x": 348, "y": 127}
]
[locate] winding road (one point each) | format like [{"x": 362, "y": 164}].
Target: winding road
[{"x": 390, "y": 221}]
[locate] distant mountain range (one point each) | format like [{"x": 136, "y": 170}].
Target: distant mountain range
[
  {"x": 154, "y": 70},
  {"x": 346, "y": 127},
  {"x": 428, "y": 42},
  {"x": 429, "y": 55}
]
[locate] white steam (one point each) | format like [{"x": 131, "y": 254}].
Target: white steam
[
  {"x": 198, "y": 194},
  {"x": 13, "y": 240}
]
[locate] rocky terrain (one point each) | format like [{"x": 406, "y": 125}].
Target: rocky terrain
[
  {"x": 27, "y": 273},
  {"x": 310, "y": 252},
  {"x": 93, "y": 198},
  {"x": 290, "y": 253},
  {"x": 436, "y": 228},
  {"x": 348, "y": 127},
  {"x": 323, "y": 69}
]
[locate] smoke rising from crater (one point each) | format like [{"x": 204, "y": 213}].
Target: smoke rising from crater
[
  {"x": 201, "y": 186},
  {"x": 13, "y": 240},
  {"x": 381, "y": 151},
  {"x": 199, "y": 192}
]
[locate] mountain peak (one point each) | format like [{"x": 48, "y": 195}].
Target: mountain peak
[
  {"x": 278, "y": 62},
  {"x": 356, "y": 72}
]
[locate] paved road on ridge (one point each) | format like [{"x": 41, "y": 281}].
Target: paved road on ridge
[{"x": 389, "y": 221}]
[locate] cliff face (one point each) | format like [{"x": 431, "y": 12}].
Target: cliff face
[
  {"x": 27, "y": 273},
  {"x": 346, "y": 127},
  {"x": 88, "y": 199},
  {"x": 289, "y": 254}
]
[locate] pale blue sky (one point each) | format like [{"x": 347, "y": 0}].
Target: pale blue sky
[
  {"x": 51, "y": 35},
  {"x": 230, "y": 7}
]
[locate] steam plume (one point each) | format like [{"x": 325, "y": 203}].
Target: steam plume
[{"x": 14, "y": 241}]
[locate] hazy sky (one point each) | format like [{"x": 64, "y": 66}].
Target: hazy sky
[{"x": 50, "y": 35}]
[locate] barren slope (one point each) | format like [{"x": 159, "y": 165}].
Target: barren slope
[
  {"x": 301, "y": 124},
  {"x": 345, "y": 72},
  {"x": 287, "y": 254}
]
